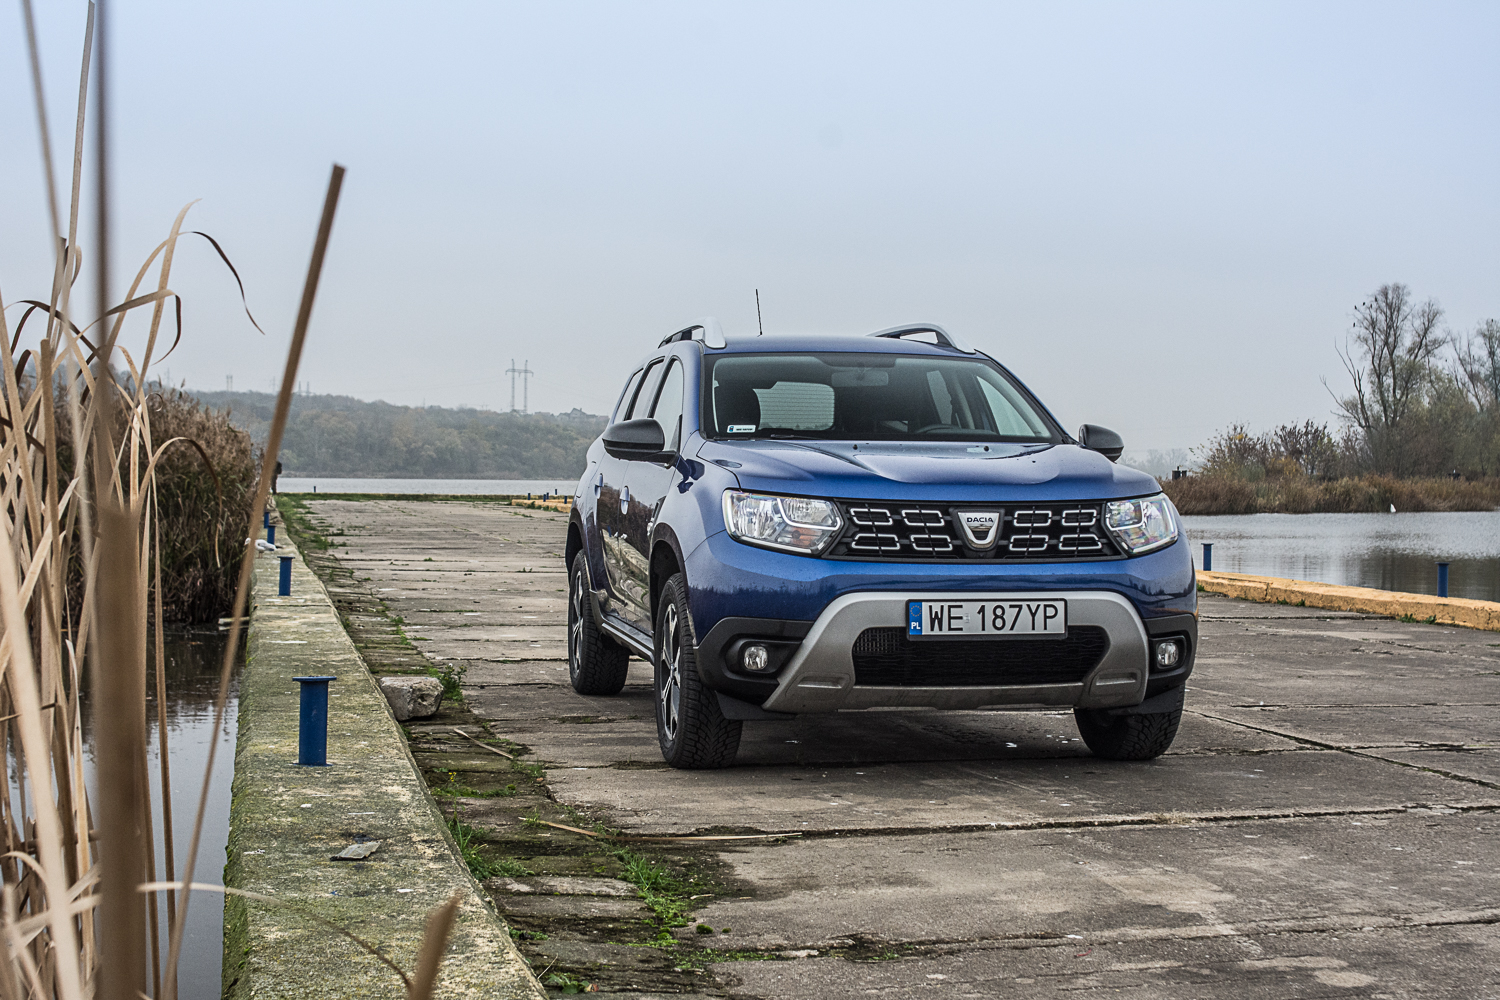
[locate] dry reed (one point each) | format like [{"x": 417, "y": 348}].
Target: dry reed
[{"x": 79, "y": 461}]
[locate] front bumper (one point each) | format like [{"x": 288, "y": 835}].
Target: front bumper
[{"x": 821, "y": 675}]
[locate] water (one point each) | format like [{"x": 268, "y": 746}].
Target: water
[
  {"x": 1385, "y": 551},
  {"x": 450, "y": 487},
  {"x": 194, "y": 658}
]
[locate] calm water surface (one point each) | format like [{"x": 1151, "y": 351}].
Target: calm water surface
[
  {"x": 194, "y": 659},
  {"x": 1385, "y": 551}
]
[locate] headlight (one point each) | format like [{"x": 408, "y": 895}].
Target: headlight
[
  {"x": 1141, "y": 525},
  {"x": 793, "y": 524}
]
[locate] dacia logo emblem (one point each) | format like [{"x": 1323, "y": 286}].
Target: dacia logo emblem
[{"x": 981, "y": 528}]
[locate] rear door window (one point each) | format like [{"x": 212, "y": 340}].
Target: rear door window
[
  {"x": 668, "y": 411},
  {"x": 647, "y": 394},
  {"x": 626, "y": 396}
]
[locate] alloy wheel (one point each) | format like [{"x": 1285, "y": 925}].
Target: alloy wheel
[
  {"x": 669, "y": 674},
  {"x": 575, "y": 627}
]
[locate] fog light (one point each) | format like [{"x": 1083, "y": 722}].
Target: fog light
[
  {"x": 755, "y": 659},
  {"x": 1168, "y": 654}
]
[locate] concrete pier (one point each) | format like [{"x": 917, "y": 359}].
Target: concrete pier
[
  {"x": 287, "y": 822},
  {"x": 1327, "y": 823}
]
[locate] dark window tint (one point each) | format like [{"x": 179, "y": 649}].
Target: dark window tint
[
  {"x": 626, "y": 396},
  {"x": 647, "y": 394},
  {"x": 668, "y": 411},
  {"x": 874, "y": 397}
]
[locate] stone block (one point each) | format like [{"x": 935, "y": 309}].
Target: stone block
[{"x": 412, "y": 697}]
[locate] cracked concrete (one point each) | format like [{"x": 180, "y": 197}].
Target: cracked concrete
[{"x": 1327, "y": 824}]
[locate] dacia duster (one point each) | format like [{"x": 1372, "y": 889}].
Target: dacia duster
[{"x": 796, "y": 525}]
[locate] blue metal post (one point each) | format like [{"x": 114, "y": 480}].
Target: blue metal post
[
  {"x": 1208, "y": 557},
  {"x": 271, "y": 533},
  {"x": 1442, "y": 579},
  {"x": 285, "y": 587},
  {"x": 266, "y": 518},
  {"x": 312, "y": 728}
]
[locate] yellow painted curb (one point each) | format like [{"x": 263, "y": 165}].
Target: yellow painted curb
[
  {"x": 1271, "y": 589},
  {"x": 557, "y": 505}
]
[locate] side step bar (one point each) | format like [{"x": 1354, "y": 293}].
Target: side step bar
[{"x": 628, "y": 636}]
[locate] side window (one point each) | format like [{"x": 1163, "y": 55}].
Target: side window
[
  {"x": 668, "y": 410},
  {"x": 625, "y": 397},
  {"x": 642, "y": 402},
  {"x": 1009, "y": 421}
]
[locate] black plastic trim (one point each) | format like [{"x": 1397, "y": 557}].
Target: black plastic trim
[
  {"x": 1185, "y": 626},
  {"x": 716, "y": 672},
  {"x": 1167, "y": 701},
  {"x": 743, "y": 711},
  {"x": 628, "y": 636}
]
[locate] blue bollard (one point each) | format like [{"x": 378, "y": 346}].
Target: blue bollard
[
  {"x": 312, "y": 725},
  {"x": 271, "y": 533},
  {"x": 266, "y": 518},
  {"x": 284, "y": 589},
  {"x": 1442, "y": 579},
  {"x": 1208, "y": 557}
]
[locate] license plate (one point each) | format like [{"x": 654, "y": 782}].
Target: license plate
[{"x": 985, "y": 619}]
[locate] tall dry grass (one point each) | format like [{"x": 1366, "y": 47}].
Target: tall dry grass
[{"x": 80, "y": 486}]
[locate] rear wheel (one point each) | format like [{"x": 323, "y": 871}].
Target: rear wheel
[
  {"x": 1128, "y": 737},
  {"x": 596, "y": 663},
  {"x": 690, "y": 727}
]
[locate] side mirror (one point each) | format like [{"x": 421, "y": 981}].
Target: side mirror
[
  {"x": 640, "y": 440},
  {"x": 1101, "y": 439}
]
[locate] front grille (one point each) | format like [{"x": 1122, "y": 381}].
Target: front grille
[
  {"x": 885, "y": 657},
  {"x": 920, "y": 532}
]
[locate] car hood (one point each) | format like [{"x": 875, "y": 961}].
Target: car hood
[{"x": 956, "y": 472}]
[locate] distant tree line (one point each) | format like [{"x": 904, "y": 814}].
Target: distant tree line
[
  {"x": 1424, "y": 402},
  {"x": 339, "y": 436},
  {"x": 1418, "y": 430}
]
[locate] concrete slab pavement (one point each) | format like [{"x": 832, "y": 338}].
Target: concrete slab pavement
[{"x": 1247, "y": 862}]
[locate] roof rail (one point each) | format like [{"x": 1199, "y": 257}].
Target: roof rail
[
  {"x": 706, "y": 329},
  {"x": 945, "y": 338}
]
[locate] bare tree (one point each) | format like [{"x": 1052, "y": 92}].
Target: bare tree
[
  {"x": 1478, "y": 365},
  {"x": 1390, "y": 362}
]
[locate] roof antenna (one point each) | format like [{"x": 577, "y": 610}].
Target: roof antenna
[{"x": 761, "y": 327}]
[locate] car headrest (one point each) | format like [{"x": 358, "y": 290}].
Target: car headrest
[{"x": 736, "y": 403}]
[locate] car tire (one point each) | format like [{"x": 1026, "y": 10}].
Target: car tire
[
  {"x": 1128, "y": 737},
  {"x": 690, "y": 726},
  {"x": 597, "y": 665}
]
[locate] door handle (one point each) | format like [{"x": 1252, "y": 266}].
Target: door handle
[{"x": 625, "y": 500}]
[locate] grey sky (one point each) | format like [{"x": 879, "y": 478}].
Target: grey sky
[{"x": 1159, "y": 215}]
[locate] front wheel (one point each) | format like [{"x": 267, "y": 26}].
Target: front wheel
[
  {"x": 690, "y": 727},
  {"x": 596, "y": 663},
  {"x": 1128, "y": 737}
]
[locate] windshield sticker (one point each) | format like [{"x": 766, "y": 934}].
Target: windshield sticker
[{"x": 742, "y": 428}]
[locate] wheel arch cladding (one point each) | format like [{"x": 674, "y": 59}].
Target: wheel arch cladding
[
  {"x": 665, "y": 561},
  {"x": 574, "y": 543}
]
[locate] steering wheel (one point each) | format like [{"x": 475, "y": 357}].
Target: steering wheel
[{"x": 934, "y": 427}]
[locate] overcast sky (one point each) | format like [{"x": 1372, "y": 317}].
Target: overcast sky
[{"x": 1159, "y": 215}]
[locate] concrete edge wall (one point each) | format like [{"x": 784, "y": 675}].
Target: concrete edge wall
[
  {"x": 1269, "y": 589},
  {"x": 287, "y": 821}
]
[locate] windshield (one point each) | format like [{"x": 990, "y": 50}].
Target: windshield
[{"x": 868, "y": 397}]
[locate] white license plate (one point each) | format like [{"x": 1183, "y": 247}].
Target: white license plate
[{"x": 992, "y": 619}]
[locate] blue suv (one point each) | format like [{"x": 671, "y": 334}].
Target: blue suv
[{"x": 796, "y": 525}]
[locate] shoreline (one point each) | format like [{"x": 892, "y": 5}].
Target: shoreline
[{"x": 1209, "y": 495}]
